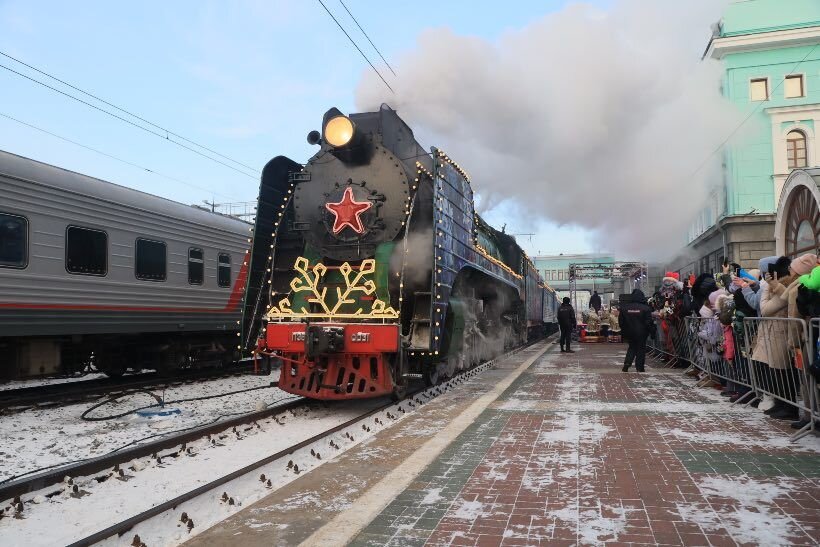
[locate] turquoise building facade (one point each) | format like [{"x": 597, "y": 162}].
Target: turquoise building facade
[{"x": 770, "y": 51}]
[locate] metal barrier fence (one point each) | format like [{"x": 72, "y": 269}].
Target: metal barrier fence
[
  {"x": 757, "y": 357},
  {"x": 779, "y": 364},
  {"x": 669, "y": 343},
  {"x": 720, "y": 352}
]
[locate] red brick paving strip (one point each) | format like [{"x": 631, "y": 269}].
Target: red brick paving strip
[{"x": 576, "y": 452}]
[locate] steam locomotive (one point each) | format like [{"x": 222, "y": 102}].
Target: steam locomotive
[{"x": 369, "y": 266}]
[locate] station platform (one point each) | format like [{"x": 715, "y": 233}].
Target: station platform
[{"x": 555, "y": 449}]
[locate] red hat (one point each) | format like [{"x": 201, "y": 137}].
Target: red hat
[{"x": 673, "y": 275}]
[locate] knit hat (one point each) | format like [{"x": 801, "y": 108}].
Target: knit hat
[
  {"x": 763, "y": 264},
  {"x": 713, "y": 296},
  {"x": 725, "y": 308},
  {"x": 804, "y": 264},
  {"x": 754, "y": 274}
]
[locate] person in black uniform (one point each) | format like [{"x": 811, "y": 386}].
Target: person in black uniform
[
  {"x": 595, "y": 301},
  {"x": 636, "y": 324},
  {"x": 566, "y": 322}
]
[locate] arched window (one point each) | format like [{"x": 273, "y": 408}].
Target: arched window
[
  {"x": 803, "y": 223},
  {"x": 796, "y": 149}
]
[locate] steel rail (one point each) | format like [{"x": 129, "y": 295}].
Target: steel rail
[
  {"x": 91, "y": 466},
  {"x": 124, "y": 526},
  {"x": 73, "y": 392},
  {"x": 121, "y": 528}
]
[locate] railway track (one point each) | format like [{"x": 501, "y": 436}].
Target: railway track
[
  {"x": 65, "y": 393},
  {"x": 171, "y": 446},
  {"x": 118, "y": 464},
  {"x": 414, "y": 398}
]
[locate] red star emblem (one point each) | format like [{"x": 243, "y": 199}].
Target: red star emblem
[{"x": 348, "y": 212}]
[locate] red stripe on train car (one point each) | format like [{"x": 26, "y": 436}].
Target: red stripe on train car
[{"x": 232, "y": 306}]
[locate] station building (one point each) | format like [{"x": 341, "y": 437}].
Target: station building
[
  {"x": 771, "y": 57},
  {"x": 555, "y": 270}
]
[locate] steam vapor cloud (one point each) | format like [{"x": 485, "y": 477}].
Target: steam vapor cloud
[{"x": 587, "y": 117}]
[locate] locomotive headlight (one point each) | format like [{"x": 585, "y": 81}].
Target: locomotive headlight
[{"x": 339, "y": 131}]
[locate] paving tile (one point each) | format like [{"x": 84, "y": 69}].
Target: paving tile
[{"x": 576, "y": 453}]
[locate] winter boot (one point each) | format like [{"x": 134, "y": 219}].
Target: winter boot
[
  {"x": 767, "y": 403},
  {"x": 785, "y": 412}
]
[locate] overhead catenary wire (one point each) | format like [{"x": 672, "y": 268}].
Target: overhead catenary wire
[
  {"x": 107, "y": 155},
  {"x": 93, "y": 96},
  {"x": 356, "y": 46},
  {"x": 368, "y": 37},
  {"x": 113, "y": 115}
]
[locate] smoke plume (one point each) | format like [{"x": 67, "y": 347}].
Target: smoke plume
[{"x": 586, "y": 117}]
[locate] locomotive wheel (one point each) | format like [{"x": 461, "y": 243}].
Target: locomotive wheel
[
  {"x": 451, "y": 367},
  {"x": 431, "y": 376},
  {"x": 400, "y": 381},
  {"x": 399, "y": 393}
]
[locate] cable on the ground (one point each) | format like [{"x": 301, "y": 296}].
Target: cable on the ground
[
  {"x": 137, "y": 441},
  {"x": 160, "y": 402}
]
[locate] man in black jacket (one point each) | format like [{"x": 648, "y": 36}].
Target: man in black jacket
[
  {"x": 566, "y": 322},
  {"x": 595, "y": 301},
  {"x": 636, "y": 323}
]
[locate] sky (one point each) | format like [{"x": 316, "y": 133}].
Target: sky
[{"x": 248, "y": 79}]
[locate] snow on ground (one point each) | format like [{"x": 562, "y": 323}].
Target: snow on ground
[
  {"x": 38, "y": 438},
  {"x": 470, "y": 510},
  {"x": 753, "y": 519},
  {"x": 574, "y": 429},
  {"x": 68, "y": 518},
  {"x": 763, "y": 438}
]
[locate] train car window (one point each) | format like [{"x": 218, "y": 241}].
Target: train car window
[
  {"x": 196, "y": 266},
  {"x": 223, "y": 270},
  {"x": 13, "y": 241},
  {"x": 151, "y": 260},
  {"x": 86, "y": 251}
]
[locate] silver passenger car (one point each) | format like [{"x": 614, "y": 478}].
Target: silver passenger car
[{"x": 89, "y": 267}]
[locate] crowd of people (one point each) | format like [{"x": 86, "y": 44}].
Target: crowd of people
[
  {"x": 761, "y": 361},
  {"x": 748, "y": 358}
]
